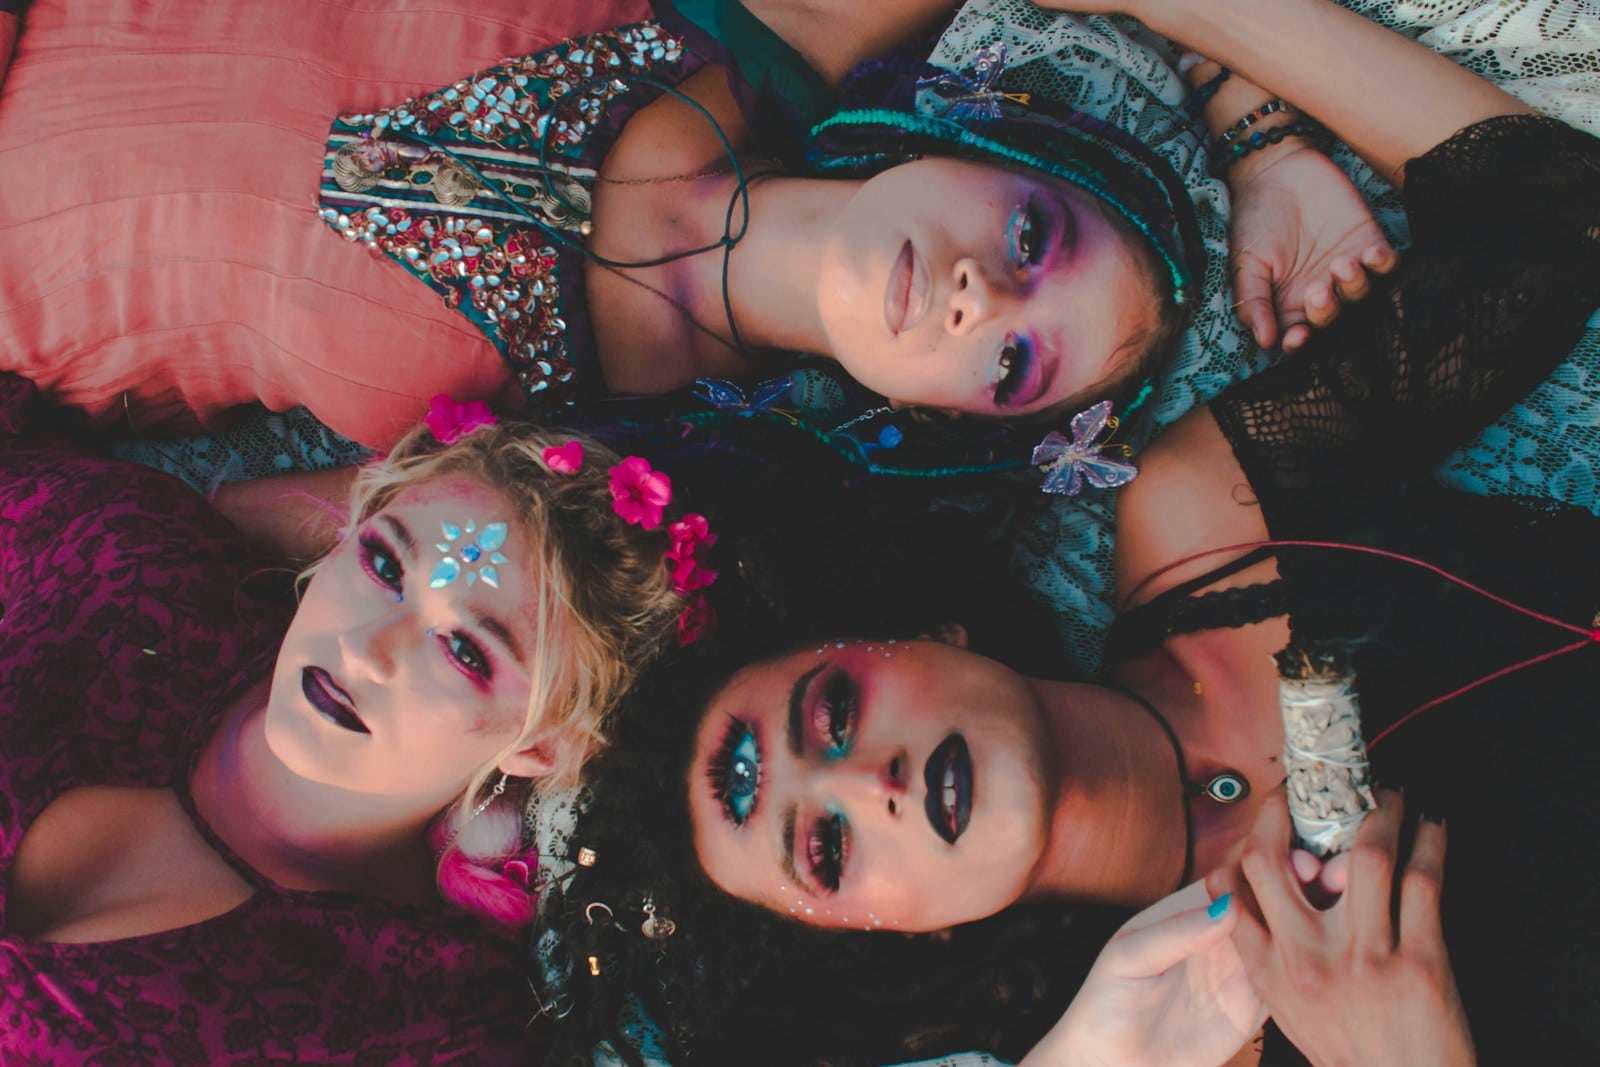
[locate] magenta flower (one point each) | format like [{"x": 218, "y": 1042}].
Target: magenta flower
[
  {"x": 696, "y": 620},
  {"x": 449, "y": 420},
  {"x": 564, "y": 459},
  {"x": 639, "y": 494},
  {"x": 691, "y": 540}
]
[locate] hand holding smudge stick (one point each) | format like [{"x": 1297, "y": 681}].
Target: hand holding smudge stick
[{"x": 1324, "y": 756}]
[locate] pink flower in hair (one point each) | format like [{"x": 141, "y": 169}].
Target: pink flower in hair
[
  {"x": 696, "y": 620},
  {"x": 564, "y": 459},
  {"x": 691, "y": 540},
  {"x": 449, "y": 420},
  {"x": 639, "y": 494}
]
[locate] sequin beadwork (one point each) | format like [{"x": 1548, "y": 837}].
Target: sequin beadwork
[{"x": 450, "y": 184}]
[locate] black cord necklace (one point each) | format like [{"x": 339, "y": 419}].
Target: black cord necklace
[{"x": 1225, "y": 787}]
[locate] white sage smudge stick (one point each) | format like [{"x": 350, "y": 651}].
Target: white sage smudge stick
[{"x": 1324, "y": 756}]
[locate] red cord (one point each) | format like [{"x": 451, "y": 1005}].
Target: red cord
[{"x": 1590, "y": 635}]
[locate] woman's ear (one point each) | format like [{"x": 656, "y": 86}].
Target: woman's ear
[
  {"x": 950, "y": 633},
  {"x": 538, "y": 758}
]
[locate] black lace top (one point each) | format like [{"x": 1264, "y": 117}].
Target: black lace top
[{"x": 1506, "y": 270}]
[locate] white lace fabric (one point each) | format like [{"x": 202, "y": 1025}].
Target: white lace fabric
[{"x": 1545, "y": 52}]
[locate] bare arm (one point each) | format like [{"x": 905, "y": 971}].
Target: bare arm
[
  {"x": 296, "y": 517},
  {"x": 834, "y": 35},
  {"x": 1386, "y": 97}
]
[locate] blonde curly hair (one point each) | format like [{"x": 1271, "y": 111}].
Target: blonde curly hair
[{"x": 606, "y": 606}]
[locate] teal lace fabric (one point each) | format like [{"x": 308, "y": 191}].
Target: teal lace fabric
[{"x": 259, "y": 443}]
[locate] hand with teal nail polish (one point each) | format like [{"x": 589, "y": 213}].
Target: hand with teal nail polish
[
  {"x": 1351, "y": 983},
  {"x": 1167, "y": 991}
]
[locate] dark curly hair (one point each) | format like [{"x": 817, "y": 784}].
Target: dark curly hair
[{"x": 735, "y": 983}]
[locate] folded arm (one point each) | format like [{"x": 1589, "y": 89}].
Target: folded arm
[{"x": 1388, "y": 98}]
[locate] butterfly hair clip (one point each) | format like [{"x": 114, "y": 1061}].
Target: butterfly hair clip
[
  {"x": 965, "y": 97},
  {"x": 725, "y": 394},
  {"x": 1068, "y": 464}
]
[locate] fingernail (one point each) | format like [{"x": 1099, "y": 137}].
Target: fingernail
[
  {"x": 1219, "y": 907},
  {"x": 1428, "y": 816}
]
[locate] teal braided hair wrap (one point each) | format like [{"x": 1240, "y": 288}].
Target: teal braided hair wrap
[{"x": 1135, "y": 183}]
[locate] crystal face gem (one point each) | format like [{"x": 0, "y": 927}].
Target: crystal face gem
[{"x": 485, "y": 547}]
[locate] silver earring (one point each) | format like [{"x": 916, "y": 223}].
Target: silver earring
[
  {"x": 653, "y": 928},
  {"x": 483, "y": 806},
  {"x": 496, "y": 793}
]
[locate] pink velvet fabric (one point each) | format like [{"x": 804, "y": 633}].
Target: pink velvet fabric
[{"x": 162, "y": 251}]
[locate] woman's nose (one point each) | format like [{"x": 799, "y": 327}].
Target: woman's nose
[
  {"x": 876, "y": 783},
  {"x": 974, "y": 298},
  {"x": 372, "y": 647}
]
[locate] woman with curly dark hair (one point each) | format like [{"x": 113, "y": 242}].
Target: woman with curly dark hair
[{"x": 861, "y": 848}]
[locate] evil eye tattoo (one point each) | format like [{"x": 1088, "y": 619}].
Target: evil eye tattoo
[
  {"x": 833, "y": 717},
  {"x": 382, "y": 564},
  {"x": 735, "y": 772},
  {"x": 827, "y": 847}
]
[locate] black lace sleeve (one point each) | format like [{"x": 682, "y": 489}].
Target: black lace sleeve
[{"x": 1504, "y": 273}]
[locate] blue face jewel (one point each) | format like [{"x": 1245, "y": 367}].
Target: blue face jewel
[
  {"x": 1068, "y": 464},
  {"x": 486, "y": 545}
]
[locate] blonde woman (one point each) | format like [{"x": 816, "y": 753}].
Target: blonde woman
[{"x": 225, "y": 840}]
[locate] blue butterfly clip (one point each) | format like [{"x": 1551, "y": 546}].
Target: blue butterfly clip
[
  {"x": 1066, "y": 464},
  {"x": 963, "y": 97},
  {"x": 721, "y": 393}
]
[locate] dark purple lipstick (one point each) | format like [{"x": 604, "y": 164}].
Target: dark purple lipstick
[
  {"x": 948, "y": 776},
  {"x": 331, "y": 702}
]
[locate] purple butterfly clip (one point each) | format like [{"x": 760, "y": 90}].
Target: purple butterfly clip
[
  {"x": 964, "y": 97},
  {"x": 1067, "y": 463}
]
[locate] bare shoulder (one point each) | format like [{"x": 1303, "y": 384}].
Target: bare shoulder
[
  {"x": 1190, "y": 497},
  {"x": 834, "y": 35}
]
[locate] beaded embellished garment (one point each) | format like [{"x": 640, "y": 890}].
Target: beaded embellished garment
[{"x": 481, "y": 190}]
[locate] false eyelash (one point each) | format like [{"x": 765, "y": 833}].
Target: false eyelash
[
  {"x": 838, "y": 695},
  {"x": 818, "y": 853}
]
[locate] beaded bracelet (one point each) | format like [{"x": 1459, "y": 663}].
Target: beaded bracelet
[
  {"x": 1224, "y": 155},
  {"x": 1271, "y": 107},
  {"x": 1206, "y": 90}
]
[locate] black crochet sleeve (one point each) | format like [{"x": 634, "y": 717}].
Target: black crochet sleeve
[{"x": 1503, "y": 275}]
